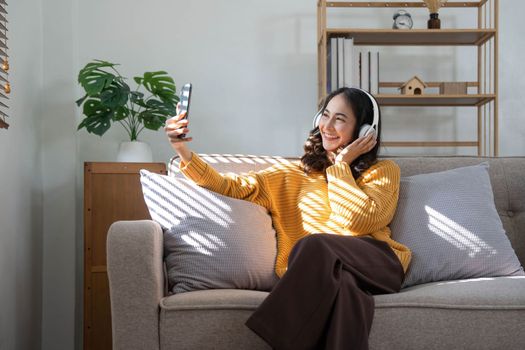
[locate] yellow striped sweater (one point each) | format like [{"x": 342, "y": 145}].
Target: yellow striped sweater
[{"x": 302, "y": 204}]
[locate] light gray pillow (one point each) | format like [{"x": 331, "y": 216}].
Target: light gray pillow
[
  {"x": 449, "y": 221},
  {"x": 210, "y": 241}
]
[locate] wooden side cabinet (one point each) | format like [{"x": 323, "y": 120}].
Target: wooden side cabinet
[{"x": 112, "y": 192}]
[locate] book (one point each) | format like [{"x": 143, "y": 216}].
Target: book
[
  {"x": 378, "y": 78},
  {"x": 328, "y": 65},
  {"x": 340, "y": 62},
  {"x": 348, "y": 61},
  {"x": 360, "y": 70},
  {"x": 374, "y": 72},
  {"x": 356, "y": 75},
  {"x": 369, "y": 77},
  {"x": 365, "y": 71},
  {"x": 333, "y": 65}
]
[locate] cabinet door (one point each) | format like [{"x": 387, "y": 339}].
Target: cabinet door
[{"x": 112, "y": 192}]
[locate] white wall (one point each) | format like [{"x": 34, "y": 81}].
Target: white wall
[
  {"x": 21, "y": 185},
  {"x": 253, "y": 66},
  {"x": 59, "y": 156}
]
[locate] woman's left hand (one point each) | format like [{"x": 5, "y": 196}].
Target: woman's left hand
[{"x": 350, "y": 153}]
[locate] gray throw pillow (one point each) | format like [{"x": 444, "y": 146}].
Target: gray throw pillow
[
  {"x": 211, "y": 241},
  {"x": 449, "y": 221}
]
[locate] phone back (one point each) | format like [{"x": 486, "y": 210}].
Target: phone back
[{"x": 185, "y": 96}]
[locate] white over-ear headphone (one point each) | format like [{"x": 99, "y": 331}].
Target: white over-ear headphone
[{"x": 365, "y": 128}]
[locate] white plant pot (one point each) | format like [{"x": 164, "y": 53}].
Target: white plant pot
[{"x": 135, "y": 152}]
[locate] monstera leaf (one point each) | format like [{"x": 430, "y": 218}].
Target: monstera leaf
[
  {"x": 98, "y": 117},
  {"x": 160, "y": 85},
  {"x": 93, "y": 79},
  {"x": 137, "y": 98},
  {"x": 115, "y": 95},
  {"x": 121, "y": 113},
  {"x": 156, "y": 114}
]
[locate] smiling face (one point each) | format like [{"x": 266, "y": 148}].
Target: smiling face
[{"x": 337, "y": 124}]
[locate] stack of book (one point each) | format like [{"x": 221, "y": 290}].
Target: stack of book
[{"x": 349, "y": 67}]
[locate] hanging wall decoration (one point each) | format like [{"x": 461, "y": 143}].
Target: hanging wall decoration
[{"x": 5, "y": 87}]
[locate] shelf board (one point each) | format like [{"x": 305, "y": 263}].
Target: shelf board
[
  {"x": 430, "y": 37},
  {"x": 394, "y": 4},
  {"x": 434, "y": 100},
  {"x": 430, "y": 144}
]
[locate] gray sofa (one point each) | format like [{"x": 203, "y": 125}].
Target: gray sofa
[{"x": 485, "y": 313}]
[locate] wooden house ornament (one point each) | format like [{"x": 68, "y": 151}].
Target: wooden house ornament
[{"x": 414, "y": 86}]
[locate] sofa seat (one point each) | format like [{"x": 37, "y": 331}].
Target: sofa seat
[
  {"x": 481, "y": 313},
  {"x": 437, "y": 315},
  {"x": 216, "y": 315}
]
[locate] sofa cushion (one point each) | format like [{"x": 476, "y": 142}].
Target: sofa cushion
[
  {"x": 506, "y": 177},
  {"x": 210, "y": 240},
  {"x": 495, "y": 293},
  {"x": 449, "y": 221},
  {"x": 214, "y": 299},
  {"x": 472, "y": 314},
  {"x": 210, "y": 319}
]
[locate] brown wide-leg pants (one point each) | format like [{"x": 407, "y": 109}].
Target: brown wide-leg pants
[{"x": 324, "y": 300}]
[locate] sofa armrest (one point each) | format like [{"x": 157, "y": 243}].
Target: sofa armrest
[{"x": 136, "y": 283}]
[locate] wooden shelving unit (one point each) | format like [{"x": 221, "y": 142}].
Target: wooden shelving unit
[
  {"x": 112, "y": 192},
  {"x": 484, "y": 37}
]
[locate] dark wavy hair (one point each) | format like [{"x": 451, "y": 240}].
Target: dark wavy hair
[{"x": 315, "y": 157}]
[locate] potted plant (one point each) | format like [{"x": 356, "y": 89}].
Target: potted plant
[{"x": 108, "y": 98}]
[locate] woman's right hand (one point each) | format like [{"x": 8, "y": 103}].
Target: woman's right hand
[
  {"x": 351, "y": 152},
  {"x": 175, "y": 127}
]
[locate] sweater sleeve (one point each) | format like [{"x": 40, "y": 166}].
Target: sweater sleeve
[
  {"x": 252, "y": 186},
  {"x": 364, "y": 208}
]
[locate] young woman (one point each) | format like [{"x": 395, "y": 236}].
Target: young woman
[{"x": 331, "y": 213}]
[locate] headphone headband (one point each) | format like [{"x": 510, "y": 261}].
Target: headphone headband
[{"x": 375, "y": 108}]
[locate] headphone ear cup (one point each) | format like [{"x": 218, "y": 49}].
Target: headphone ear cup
[
  {"x": 364, "y": 129},
  {"x": 317, "y": 118}
]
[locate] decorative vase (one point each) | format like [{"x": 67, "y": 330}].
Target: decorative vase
[
  {"x": 434, "y": 22},
  {"x": 134, "y": 152}
]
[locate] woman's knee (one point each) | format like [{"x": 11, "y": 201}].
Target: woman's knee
[{"x": 311, "y": 246}]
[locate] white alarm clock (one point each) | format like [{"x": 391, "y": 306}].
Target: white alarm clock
[{"x": 402, "y": 20}]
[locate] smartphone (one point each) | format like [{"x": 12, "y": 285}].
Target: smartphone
[{"x": 185, "y": 98}]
